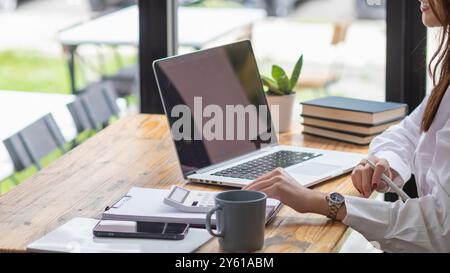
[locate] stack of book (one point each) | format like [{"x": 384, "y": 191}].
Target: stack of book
[{"x": 350, "y": 120}]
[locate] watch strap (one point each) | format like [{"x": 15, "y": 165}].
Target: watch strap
[{"x": 333, "y": 208}]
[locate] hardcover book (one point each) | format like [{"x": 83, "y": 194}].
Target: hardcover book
[{"x": 354, "y": 110}]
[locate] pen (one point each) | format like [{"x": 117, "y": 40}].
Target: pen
[{"x": 390, "y": 183}]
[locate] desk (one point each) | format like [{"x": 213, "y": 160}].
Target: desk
[
  {"x": 138, "y": 151},
  {"x": 196, "y": 27}
]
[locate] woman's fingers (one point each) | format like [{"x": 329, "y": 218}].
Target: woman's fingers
[
  {"x": 357, "y": 178},
  {"x": 366, "y": 181},
  {"x": 261, "y": 184},
  {"x": 381, "y": 167},
  {"x": 265, "y": 177},
  {"x": 271, "y": 191},
  {"x": 268, "y": 175}
]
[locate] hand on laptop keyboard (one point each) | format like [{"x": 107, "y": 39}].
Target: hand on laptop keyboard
[{"x": 279, "y": 185}]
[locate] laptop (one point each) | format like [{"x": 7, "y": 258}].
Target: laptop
[{"x": 222, "y": 127}]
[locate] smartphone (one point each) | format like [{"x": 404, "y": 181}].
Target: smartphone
[{"x": 148, "y": 230}]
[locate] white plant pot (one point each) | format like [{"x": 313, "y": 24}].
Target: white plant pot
[{"x": 282, "y": 119}]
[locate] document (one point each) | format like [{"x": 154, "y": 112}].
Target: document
[{"x": 146, "y": 205}]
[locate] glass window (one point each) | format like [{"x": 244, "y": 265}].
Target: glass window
[{"x": 343, "y": 41}]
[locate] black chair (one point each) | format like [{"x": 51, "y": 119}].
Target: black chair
[
  {"x": 93, "y": 108},
  {"x": 79, "y": 116},
  {"x": 34, "y": 142},
  {"x": 99, "y": 103},
  {"x": 125, "y": 82}
]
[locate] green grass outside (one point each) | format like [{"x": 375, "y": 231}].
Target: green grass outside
[{"x": 33, "y": 71}]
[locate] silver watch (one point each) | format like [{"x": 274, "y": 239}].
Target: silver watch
[{"x": 335, "y": 202}]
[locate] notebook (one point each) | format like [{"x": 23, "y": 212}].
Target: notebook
[
  {"x": 146, "y": 205},
  {"x": 76, "y": 237},
  {"x": 354, "y": 110}
]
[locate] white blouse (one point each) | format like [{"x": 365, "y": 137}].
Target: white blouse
[{"x": 421, "y": 224}]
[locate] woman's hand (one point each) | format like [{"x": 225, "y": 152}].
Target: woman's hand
[
  {"x": 366, "y": 180},
  {"x": 278, "y": 184}
]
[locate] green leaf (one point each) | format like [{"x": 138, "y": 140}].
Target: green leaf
[
  {"x": 296, "y": 73},
  {"x": 281, "y": 78},
  {"x": 272, "y": 85}
]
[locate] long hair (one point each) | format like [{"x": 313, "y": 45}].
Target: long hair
[{"x": 439, "y": 61}]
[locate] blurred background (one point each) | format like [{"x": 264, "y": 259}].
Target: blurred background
[
  {"x": 52, "y": 51},
  {"x": 74, "y": 64}
]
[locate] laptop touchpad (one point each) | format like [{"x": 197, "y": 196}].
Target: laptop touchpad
[{"x": 314, "y": 169}]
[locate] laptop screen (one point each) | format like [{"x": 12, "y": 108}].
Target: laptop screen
[{"x": 215, "y": 105}]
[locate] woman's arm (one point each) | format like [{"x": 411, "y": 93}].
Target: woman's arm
[
  {"x": 419, "y": 225},
  {"x": 392, "y": 152},
  {"x": 282, "y": 186},
  {"x": 397, "y": 144}
]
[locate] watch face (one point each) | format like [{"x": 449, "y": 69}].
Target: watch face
[{"x": 336, "y": 197}]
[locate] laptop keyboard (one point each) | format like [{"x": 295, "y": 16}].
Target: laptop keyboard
[{"x": 257, "y": 167}]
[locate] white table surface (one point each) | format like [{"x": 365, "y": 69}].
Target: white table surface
[
  {"x": 75, "y": 236},
  {"x": 20, "y": 109},
  {"x": 196, "y": 26}
]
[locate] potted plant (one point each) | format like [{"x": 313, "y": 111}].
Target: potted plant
[{"x": 280, "y": 92}]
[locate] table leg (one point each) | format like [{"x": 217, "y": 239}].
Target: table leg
[{"x": 70, "y": 55}]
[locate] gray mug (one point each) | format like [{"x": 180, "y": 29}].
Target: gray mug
[{"x": 240, "y": 220}]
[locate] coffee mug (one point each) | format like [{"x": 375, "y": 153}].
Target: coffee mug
[{"x": 240, "y": 220}]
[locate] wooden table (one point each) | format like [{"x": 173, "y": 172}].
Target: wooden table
[{"x": 138, "y": 151}]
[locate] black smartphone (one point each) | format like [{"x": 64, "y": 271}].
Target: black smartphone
[{"x": 148, "y": 230}]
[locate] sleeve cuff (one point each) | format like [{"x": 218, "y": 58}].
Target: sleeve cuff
[
  {"x": 396, "y": 163},
  {"x": 368, "y": 217}
]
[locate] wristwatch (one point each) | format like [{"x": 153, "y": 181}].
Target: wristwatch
[{"x": 335, "y": 202}]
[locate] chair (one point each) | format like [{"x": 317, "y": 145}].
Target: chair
[
  {"x": 99, "y": 103},
  {"x": 34, "y": 142},
  {"x": 79, "y": 116},
  {"x": 323, "y": 80},
  {"x": 340, "y": 33},
  {"x": 125, "y": 82},
  {"x": 93, "y": 108}
]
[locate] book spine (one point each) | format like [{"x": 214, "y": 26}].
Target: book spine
[
  {"x": 337, "y": 139},
  {"x": 352, "y": 122},
  {"x": 340, "y": 131}
]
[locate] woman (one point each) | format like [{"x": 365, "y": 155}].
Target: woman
[{"x": 420, "y": 145}]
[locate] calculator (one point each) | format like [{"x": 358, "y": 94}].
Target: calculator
[{"x": 190, "y": 201}]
